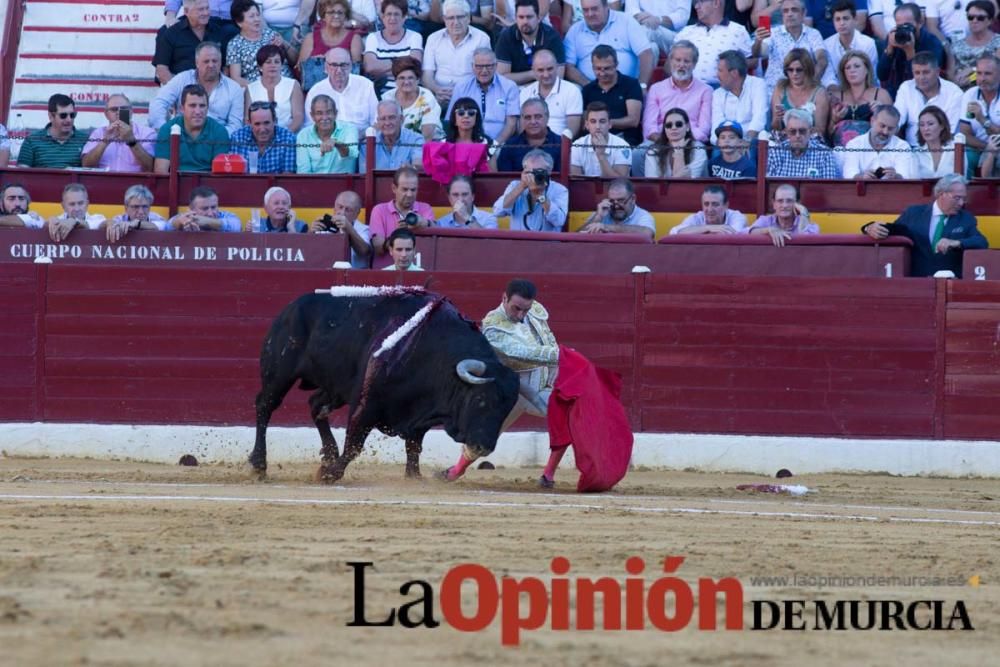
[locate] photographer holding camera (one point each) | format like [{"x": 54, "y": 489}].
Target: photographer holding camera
[
  {"x": 403, "y": 212},
  {"x": 344, "y": 220},
  {"x": 909, "y": 38},
  {"x": 534, "y": 202}
]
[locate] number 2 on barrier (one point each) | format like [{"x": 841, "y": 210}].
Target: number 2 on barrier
[{"x": 980, "y": 273}]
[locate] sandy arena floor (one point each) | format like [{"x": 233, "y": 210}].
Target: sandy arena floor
[{"x": 110, "y": 563}]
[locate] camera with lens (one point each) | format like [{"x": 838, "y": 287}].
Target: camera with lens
[
  {"x": 905, "y": 33},
  {"x": 541, "y": 176},
  {"x": 328, "y": 225},
  {"x": 411, "y": 219}
]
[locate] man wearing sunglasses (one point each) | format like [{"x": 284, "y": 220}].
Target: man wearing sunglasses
[{"x": 59, "y": 144}]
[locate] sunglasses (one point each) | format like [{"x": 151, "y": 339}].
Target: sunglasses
[
  {"x": 676, "y": 125},
  {"x": 257, "y": 106},
  {"x": 796, "y": 70},
  {"x": 977, "y": 17},
  {"x": 465, "y": 113},
  {"x": 63, "y": 115},
  {"x": 797, "y": 130}
]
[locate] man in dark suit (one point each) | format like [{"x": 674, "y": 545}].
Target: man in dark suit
[{"x": 940, "y": 231}]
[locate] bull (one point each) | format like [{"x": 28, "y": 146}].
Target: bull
[{"x": 403, "y": 361}]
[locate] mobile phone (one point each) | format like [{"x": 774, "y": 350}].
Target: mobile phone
[
  {"x": 125, "y": 116},
  {"x": 880, "y": 172},
  {"x": 764, "y": 22}
]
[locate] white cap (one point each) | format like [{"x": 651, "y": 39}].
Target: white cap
[
  {"x": 341, "y": 265},
  {"x": 639, "y": 268},
  {"x": 944, "y": 273}
]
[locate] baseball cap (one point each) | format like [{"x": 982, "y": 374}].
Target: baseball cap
[{"x": 732, "y": 126}]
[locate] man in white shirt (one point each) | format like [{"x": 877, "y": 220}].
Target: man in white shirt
[
  {"x": 448, "y": 52},
  {"x": 981, "y": 104},
  {"x": 75, "y": 202},
  {"x": 924, "y": 89},
  {"x": 739, "y": 98},
  {"x": 847, "y": 38},
  {"x": 225, "y": 96},
  {"x": 599, "y": 153},
  {"x": 713, "y": 35},
  {"x": 354, "y": 95},
  {"x": 563, "y": 97},
  {"x": 662, "y": 19},
  {"x": 879, "y": 154}
]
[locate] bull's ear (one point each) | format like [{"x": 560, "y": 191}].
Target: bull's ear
[{"x": 471, "y": 371}]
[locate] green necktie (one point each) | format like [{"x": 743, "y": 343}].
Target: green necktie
[{"x": 939, "y": 230}]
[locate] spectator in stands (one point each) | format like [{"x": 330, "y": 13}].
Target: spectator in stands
[
  {"x": 731, "y": 162},
  {"x": 393, "y": 41},
  {"x": 138, "y": 214},
  {"x": 403, "y": 211},
  {"x": 241, "y": 53},
  {"x": 621, "y": 94},
  {"x": 790, "y": 218},
  {"x": 464, "y": 214},
  {"x": 619, "y": 214},
  {"x": 679, "y": 90},
  {"x": 498, "y": 96},
  {"x": 601, "y": 25},
  {"x": 936, "y": 153},
  {"x": 599, "y": 153},
  {"x": 535, "y": 133},
  {"x": 329, "y": 32},
  {"x": 353, "y": 95},
  {"x": 225, "y": 96},
  {"x": 676, "y": 153},
  {"x": 175, "y": 46},
  {"x": 466, "y": 148},
  {"x": 879, "y": 154},
  {"x": 346, "y": 209},
  {"x": 280, "y": 216},
  {"x": 15, "y": 208},
  {"x": 981, "y": 105},
  {"x": 402, "y": 244},
  {"x": 712, "y": 35},
  {"x": 520, "y": 44},
  {"x": 562, "y": 98},
  {"x": 326, "y": 146},
  {"x": 533, "y": 202},
  {"x": 273, "y": 86},
  {"x": 965, "y": 51},
  {"x": 793, "y": 33},
  {"x": 662, "y": 19},
  {"x": 800, "y": 89},
  {"x": 218, "y": 9},
  {"x": 4, "y": 147},
  {"x": 204, "y": 215},
  {"x": 989, "y": 165},
  {"x": 273, "y": 144},
  {"x": 855, "y": 98},
  {"x": 715, "y": 216},
  {"x": 846, "y": 38},
  {"x": 289, "y": 18},
  {"x": 448, "y": 52},
  {"x": 202, "y": 138},
  {"x": 57, "y": 145},
  {"x": 482, "y": 15},
  {"x": 940, "y": 231},
  {"x": 420, "y": 19},
  {"x": 907, "y": 40},
  {"x": 801, "y": 154},
  {"x": 122, "y": 144},
  {"x": 739, "y": 98},
  {"x": 820, "y": 15},
  {"x": 421, "y": 111},
  {"x": 927, "y": 88},
  {"x": 75, "y": 203},
  {"x": 395, "y": 146}
]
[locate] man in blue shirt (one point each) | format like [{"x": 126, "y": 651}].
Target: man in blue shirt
[
  {"x": 534, "y": 202},
  {"x": 535, "y": 133},
  {"x": 265, "y": 144},
  {"x": 732, "y": 161},
  {"x": 394, "y": 144},
  {"x": 601, "y": 25},
  {"x": 497, "y": 96}
]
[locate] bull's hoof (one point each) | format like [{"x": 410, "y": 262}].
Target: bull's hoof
[
  {"x": 414, "y": 473},
  {"x": 444, "y": 475},
  {"x": 259, "y": 470},
  {"x": 546, "y": 483},
  {"x": 329, "y": 475}
]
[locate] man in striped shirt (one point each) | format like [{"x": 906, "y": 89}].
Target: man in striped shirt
[{"x": 59, "y": 144}]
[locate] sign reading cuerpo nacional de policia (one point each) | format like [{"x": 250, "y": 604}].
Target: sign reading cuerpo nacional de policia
[{"x": 306, "y": 251}]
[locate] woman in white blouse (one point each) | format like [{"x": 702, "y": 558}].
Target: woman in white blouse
[
  {"x": 676, "y": 154},
  {"x": 272, "y": 86},
  {"x": 936, "y": 154}
]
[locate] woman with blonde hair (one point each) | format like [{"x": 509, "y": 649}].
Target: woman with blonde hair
[
  {"x": 855, "y": 99},
  {"x": 800, "y": 89}
]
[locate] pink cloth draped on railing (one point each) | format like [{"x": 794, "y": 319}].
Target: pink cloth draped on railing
[{"x": 442, "y": 159}]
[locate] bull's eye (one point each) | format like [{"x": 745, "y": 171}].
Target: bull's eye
[{"x": 482, "y": 403}]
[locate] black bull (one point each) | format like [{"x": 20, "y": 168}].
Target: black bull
[{"x": 443, "y": 373}]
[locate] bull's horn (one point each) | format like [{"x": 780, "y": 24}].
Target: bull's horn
[
  {"x": 471, "y": 371},
  {"x": 533, "y": 396}
]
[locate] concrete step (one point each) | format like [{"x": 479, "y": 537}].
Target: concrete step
[
  {"x": 72, "y": 65},
  {"x": 112, "y": 14},
  {"x": 103, "y": 41}
]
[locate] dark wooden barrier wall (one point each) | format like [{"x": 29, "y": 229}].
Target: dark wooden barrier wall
[{"x": 756, "y": 355}]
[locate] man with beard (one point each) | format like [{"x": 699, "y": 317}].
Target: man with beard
[
  {"x": 519, "y": 44},
  {"x": 273, "y": 144},
  {"x": 619, "y": 213},
  {"x": 59, "y": 144},
  {"x": 14, "y": 204},
  {"x": 562, "y": 98},
  {"x": 879, "y": 154},
  {"x": 680, "y": 90},
  {"x": 535, "y": 134}
]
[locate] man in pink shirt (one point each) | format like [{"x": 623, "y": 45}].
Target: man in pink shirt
[
  {"x": 123, "y": 144},
  {"x": 404, "y": 211},
  {"x": 680, "y": 90}
]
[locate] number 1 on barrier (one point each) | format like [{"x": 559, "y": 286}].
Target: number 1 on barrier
[{"x": 888, "y": 269}]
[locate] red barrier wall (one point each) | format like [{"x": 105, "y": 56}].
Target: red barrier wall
[{"x": 765, "y": 355}]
